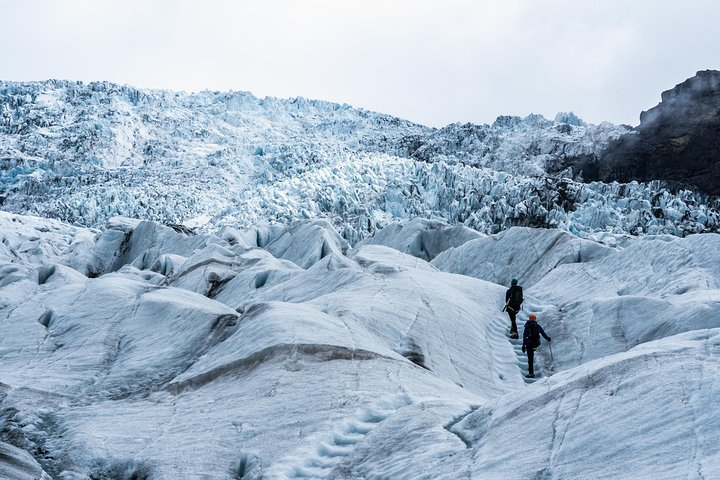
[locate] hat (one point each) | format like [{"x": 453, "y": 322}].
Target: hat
[
  {"x": 514, "y": 281},
  {"x": 532, "y": 317}
]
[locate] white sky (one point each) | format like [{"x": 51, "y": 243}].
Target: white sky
[{"x": 431, "y": 61}]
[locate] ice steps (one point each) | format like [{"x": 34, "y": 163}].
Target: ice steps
[{"x": 331, "y": 448}]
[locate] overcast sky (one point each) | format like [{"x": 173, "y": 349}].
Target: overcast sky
[{"x": 431, "y": 61}]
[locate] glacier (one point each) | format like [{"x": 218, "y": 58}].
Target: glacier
[
  {"x": 215, "y": 286},
  {"x": 84, "y": 153},
  {"x": 276, "y": 352}
]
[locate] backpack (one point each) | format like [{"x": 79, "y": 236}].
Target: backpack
[
  {"x": 516, "y": 296},
  {"x": 534, "y": 334}
]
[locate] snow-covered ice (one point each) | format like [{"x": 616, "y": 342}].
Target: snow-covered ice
[
  {"x": 274, "y": 289},
  {"x": 142, "y": 351}
]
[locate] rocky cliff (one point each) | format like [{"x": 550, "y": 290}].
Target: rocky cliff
[{"x": 678, "y": 140}]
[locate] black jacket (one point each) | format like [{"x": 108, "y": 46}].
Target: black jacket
[
  {"x": 529, "y": 342},
  {"x": 509, "y": 295}
]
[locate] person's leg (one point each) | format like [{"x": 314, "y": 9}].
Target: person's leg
[
  {"x": 513, "y": 326},
  {"x": 531, "y": 357}
]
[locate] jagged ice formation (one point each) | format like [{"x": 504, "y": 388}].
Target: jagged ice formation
[{"x": 84, "y": 153}]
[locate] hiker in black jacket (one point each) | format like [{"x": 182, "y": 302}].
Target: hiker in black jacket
[
  {"x": 513, "y": 301},
  {"x": 531, "y": 341}
]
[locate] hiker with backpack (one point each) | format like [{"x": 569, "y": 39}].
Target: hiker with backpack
[
  {"x": 531, "y": 341},
  {"x": 513, "y": 301}
]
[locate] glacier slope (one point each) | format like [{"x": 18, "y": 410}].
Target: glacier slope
[
  {"x": 203, "y": 356},
  {"x": 647, "y": 413},
  {"x": 597, "y": 299},
  {"x": 59, "y": 344}
]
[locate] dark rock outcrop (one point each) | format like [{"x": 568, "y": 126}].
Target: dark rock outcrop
[{"x": 677, "y": 141}]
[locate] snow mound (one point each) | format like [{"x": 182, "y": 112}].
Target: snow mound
[
  {"x": 422, "y": 238},
  {"x": 307, "y": 242},
  {"x": 139, "y": 243},
  {"x": 526, "y": 254},
  {"x": 29, "y": 240},
  {"x": 19, "y": 465}
]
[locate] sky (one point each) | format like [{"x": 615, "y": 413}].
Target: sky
[{"x": 434, "y": 62}]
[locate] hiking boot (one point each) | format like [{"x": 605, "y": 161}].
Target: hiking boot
[
  {"x": 530, "y": 375},
  {"x": 514, "y": 335}
]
